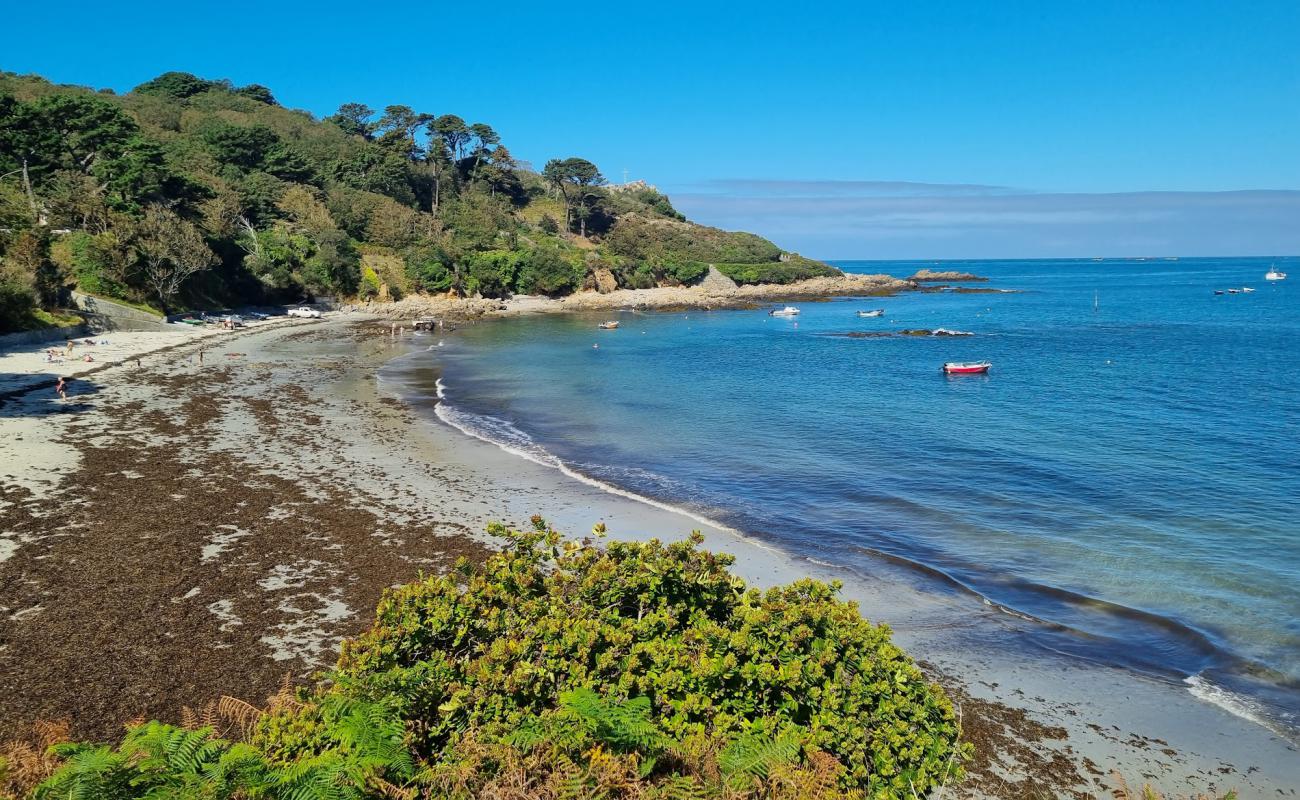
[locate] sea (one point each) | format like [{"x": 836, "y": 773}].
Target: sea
[{"x": 1126, "y": 475}]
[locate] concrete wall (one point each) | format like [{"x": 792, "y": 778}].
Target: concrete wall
[
  {"x": 106, "y": 315},
  {"x": 43, "y": 335}
]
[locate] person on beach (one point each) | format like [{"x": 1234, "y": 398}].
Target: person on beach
[
  {"x": 67, "y": 351},
  {"x": 61, "y": 388},
  {"x": 200, "y": 355}
]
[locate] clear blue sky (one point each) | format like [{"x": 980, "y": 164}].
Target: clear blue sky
[{"x": 812, "y": 123}]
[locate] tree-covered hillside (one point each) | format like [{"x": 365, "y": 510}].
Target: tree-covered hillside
[{"x": 188, "y": 192}]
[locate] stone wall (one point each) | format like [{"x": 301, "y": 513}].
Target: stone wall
[
  {"x": 106, "y": 315},
  {"x": 43, "y": 335}
]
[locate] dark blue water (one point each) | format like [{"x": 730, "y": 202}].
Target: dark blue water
[{"x": 1129, "y": 474}]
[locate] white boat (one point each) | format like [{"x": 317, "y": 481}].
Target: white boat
[
  {"x": 1274, "y": 275},
  {"x": 1247, "y": 289},
  {"x": 608, "y": 326},
  {"x": 788, "y": 311},
  {"x": 879, "y": 312}
]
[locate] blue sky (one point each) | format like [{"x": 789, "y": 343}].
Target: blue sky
[{"x": 854, "y": 130}]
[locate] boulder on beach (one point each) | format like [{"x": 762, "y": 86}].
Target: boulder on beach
[
  {"x": 925, "y": 275},
  {"x": 603, "y": 280}
]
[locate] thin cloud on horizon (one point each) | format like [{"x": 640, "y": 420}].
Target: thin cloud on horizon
[{"x": 895, "y": 220}]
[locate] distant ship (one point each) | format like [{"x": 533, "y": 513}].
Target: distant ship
[{"x": 1274, "y": 275}]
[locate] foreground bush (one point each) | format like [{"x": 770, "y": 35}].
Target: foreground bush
[{"x": 560, "y": 669}]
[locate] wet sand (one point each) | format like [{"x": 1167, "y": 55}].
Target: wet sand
[{"x": 175, "y": 532}]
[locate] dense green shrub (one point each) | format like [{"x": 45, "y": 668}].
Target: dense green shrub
[
  {"x": 426, "y": 269},
  {"x": 796, "y": 269},
  {"x": 492, "y": 273},
  {"x": 545, "y": 270},
  {"x": 97, "y": 262},
  {"x": 17, "y": 302},
  {"x": 642, "y": 237},
  {"x": 494, "y": 649},
  {"x": 684, "y": 271}
]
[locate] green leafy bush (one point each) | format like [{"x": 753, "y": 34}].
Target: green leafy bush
[
  {"x": 98, "y": 262},
  {"x": 491, "y": 651},
  {"x": 796, "y": 269},
  {"x": 643, "y": 237},
  {"x": 17, "y": 302},
  {"x": 545, "y": 270},
  {"x": 492, "y": 273}
]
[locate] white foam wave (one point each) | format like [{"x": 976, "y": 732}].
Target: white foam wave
[
  {"x": 512, "y": 440},
  {"x": 1236, "y": 704}
]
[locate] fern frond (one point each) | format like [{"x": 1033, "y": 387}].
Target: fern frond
[
  {"x": 240, "y": 712},
  {"x": 753, "y": 755}
]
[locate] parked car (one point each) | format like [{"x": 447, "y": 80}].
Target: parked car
[{"x": 306, "y": 312}]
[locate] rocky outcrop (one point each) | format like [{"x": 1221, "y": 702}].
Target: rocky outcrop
[
  {"x": 929, "y": 276},
  {"x": 716, "y": 283},
  {"x": 664, "y": 297},
  {"x": 604, "y": 280}
]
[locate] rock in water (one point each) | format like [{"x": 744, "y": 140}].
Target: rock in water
[{"x": 925, "y": 275}]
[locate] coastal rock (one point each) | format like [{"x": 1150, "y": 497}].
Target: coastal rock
[
  {"x": 905, "y": 332},
  {"x": 926, "y": 276},
  {"x": 935, "y": 332},
  {"x": 604, "y": 280},
  {"x": 716, "y": 283}
]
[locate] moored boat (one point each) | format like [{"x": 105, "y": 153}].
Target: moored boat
[
  {"x": 1233, "y": 291},
  {"x": 788, "y": 311},
  {"x": 1247, "y": 289},
  {"x": 1274, "y": 275},
  {"x": 879, "y": 312},
  {"x": 608, "y": 326},
  {"x": 966, "y": 367}
]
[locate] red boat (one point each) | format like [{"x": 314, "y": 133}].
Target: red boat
[{"x": 966, "y": 367}]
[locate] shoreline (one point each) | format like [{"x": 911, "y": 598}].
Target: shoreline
[
  {"x": 704, "y": 296},
  {"x": 289, "y": 510}
]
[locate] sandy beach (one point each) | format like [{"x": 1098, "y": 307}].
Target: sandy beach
[{"x": 175, "y": 531}]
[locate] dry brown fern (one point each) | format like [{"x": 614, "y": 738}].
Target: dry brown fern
[
  {"x": 284, "y": 698},
  {"x": 210, "y": 717},
  {"x": 26, "y": 762},
  {"x": 239, "y": 712}
]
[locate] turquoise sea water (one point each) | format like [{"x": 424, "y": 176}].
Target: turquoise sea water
[{"x": 1129, "y": 475}]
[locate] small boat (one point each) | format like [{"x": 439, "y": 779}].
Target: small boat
[
  {"x": 1274, "y": 275},
  {"x": 1247, "y": 289},
  {"x": 608, "y": 326},
  {"x": 966, "y": 367},
  {"x": 879, "y": 312},
  {"x": 1234, "y": 291},
  {"x": 788, "y": 311},
  {"x": 1218, "y": 291}
]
